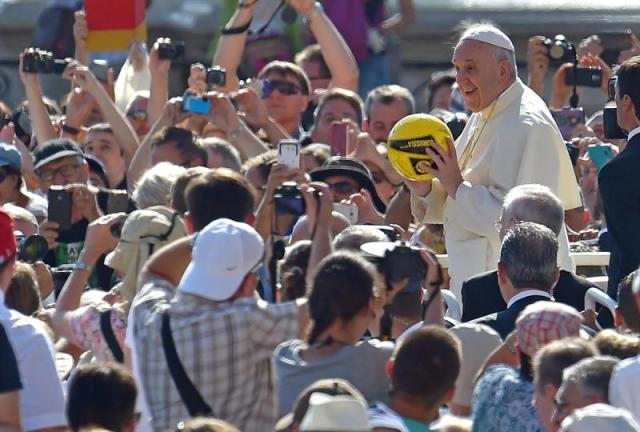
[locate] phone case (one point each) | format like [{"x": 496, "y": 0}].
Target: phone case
[
  {"x": 59, "y": 209},
  {"x": 350, "y": 211},
  {"x": 289, "y": 153},
  {"x": 195, "y": 104},
  {"x": 600, "y": 155},
  {"x": 338, "y": 139}
]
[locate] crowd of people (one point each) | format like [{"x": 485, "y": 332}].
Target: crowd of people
[{"x": 165, "y": 266}]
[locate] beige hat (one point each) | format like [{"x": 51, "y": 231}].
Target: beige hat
[
  {"x": 478, "y": 341},
  {"x": 335, "y": 414},
  {"x": 600, "y": 418},
  {"x": 144, "y": 232}
]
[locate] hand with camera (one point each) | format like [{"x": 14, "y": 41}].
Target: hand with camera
[
  {"x": 561, "y": 92},
  {"x": 197, "y": 81},
  {"x": 319, "y": 206},
  {"x": 84, "y": 202},
  {"x": 631, "y": 52},
  {"x": 590, "y": 45},
  {"x": 222, "y": 113},
  {"x": 79, "y": 107},
  {"x": 80, "y": 35},
  {"x": 537, "y": 63},
  {"x": 251, "y": 108},
  {"x": 367, "y": 213},
  {"x": 50, "y": 231},
  {"x": 99, "y": 239},
  {"x": 159, "y": 67}
]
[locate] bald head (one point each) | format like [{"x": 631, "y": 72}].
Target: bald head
[{"x": 532, "y": 203}]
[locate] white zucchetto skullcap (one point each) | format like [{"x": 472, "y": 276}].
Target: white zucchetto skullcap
[{"x": 489, "y": 34}]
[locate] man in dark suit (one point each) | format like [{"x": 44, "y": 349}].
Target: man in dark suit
[
  {"x": 526, "y": 203},
  {"x": 527, "y": 271},
  {"x": 619, "y": 180}
]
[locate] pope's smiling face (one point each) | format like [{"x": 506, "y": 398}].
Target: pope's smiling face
[{"x": 481, "y": 75}]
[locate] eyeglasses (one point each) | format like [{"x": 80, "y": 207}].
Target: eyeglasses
[
  {"x": 342, "y": 187},
  {"x": 65, "y": 171},
  {"x": 284, "y": 87},
  {"x": 613, "y": 81},
  {"x": 137, "y": 114}
]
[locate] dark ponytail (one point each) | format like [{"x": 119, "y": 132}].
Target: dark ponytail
[{"x": 342, "y": 287}]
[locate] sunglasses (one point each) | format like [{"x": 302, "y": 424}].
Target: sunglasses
[
  {"x": 137, "y": 115},
  {"x": 342, "y": 187},
  {"x": 284, "y": 87},
  {"x": 612, "y": 87}
]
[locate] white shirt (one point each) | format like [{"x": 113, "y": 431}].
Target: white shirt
[
  {"x": 41, "y": 398},
  {"x": 527, "y": 293},
  {"x": 516, "y": 142},
  {"x": 624, "y": 385},
  {"x": 633, "y": 133}
]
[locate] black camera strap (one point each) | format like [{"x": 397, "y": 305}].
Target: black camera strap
[
  {"x": 189, "y": 394},
  {"x": 109, "y": 336}
]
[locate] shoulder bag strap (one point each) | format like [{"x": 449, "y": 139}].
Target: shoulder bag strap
[
  {"x": 189, "y": 394},
  {"x": 109, "y": 336}
]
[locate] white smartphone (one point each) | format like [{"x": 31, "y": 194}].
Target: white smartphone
[
  {"x": 289, "y": 153},
  {"x": 348, "y": 210}
]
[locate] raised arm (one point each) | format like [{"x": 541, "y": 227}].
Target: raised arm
[
  {"x": 335, "y": 51},
  {"x": 318, "y": 194},
  {"x": 159, "y": 89},
  {"x": 402, "y": 19},
  {"x": 231, "y": 46},
  {"x": 122, "y": 130},
  {"x": 80, "y": 33},
  {"x": 98, "y": 241},
  {"x": 40, "y": 121}
]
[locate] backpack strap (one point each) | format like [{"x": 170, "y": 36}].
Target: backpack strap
[
  {"x": 109, "y": 336},
  {"x": 189, "y": 394}
]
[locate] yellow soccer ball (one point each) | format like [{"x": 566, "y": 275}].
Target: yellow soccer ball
[{"x": 408, "y": 143}]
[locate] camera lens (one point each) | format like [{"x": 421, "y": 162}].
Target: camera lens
[{"x": 32, "y": 248}]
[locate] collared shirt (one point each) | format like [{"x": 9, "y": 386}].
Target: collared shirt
[
  {"x": 633, "y": 133},
  {"x": 225, "y": 348},
  {"x": 527, "y": 293},
  {"x": 515, "y": 141},
  {"x": 41, "y": 398}
]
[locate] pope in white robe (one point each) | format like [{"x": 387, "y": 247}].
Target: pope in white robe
[{"x": 510, "y": 139}]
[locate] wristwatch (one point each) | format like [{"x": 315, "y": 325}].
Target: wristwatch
[
  {"x": 317, "y": 11},
  {"x": 81, "y": 265}
]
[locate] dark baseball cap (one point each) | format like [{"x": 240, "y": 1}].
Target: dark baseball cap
[
  {"x": 54, "y": 150},
  {"x": 10, "y": 156}
]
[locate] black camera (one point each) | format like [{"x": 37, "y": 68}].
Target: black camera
[
  {"x": 402, "y": 261},
  {"x": 32, "y": 248},
  {"x": 574, "y": 152},
  {"x": 584, "y": 77},
  {"x": 612, "y": 129},
  {"x": 217, "y": 76},
  {"x": 288, "y": 199},
  {"x": 43, "y": 62},
  {"x": 560, "y": 50},
  {"x": 171, "y": 51}
]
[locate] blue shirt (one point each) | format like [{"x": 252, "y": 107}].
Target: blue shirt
[{"x": 503, "y": 401}]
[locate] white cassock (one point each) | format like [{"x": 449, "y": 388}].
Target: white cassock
[{"x": 511, "y": 142}]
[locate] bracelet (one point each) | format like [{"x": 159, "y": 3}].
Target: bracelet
[
  {"x": 70, "y": 130},
  {"x": 81, "y": 265},
  {"x": 236, "y": 30},
  {"x": 317, "y": 11},
  {"x": 246, "y": 5}
]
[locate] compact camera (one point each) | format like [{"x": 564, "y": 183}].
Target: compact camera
[
  {"x": 171, "y": 51},
  {"x": 43, "y": 62},
  {"x": 217, "y": 76},
  {"x": 288, "y": 199},
  {"x": 32, "y": 248}
]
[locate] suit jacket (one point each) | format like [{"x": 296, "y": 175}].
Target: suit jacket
[
  {"x": 511, "y": 142},
  {"x": 505, "y": 322},
  {"x": 481, "y": 294},
  {"x": 619, "y": 186}
]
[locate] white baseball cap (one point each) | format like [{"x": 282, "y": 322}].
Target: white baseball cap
[
  {"x": 224, "y": 253},
  {"x": 489, "y": 34},
  {"x": 335, "y": 413}
]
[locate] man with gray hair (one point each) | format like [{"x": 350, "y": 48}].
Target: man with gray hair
[
  {"x": 584, "y": 383},
  {"x": 510, "y": 139},
  {"x": 221, "y": 154},
  {"x": 527, "y": 271},
  {"x": 525, "y": 203}
]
